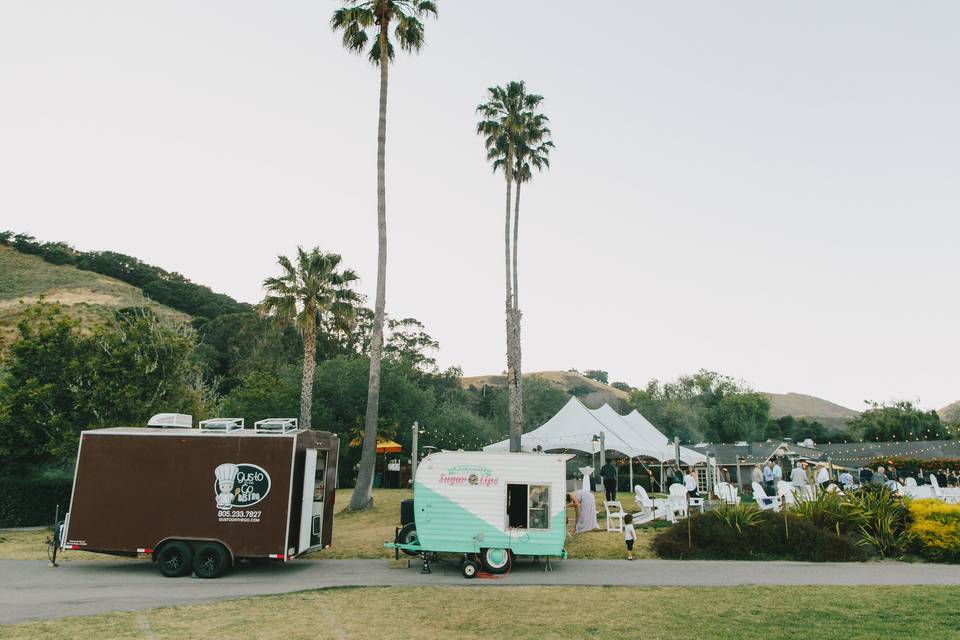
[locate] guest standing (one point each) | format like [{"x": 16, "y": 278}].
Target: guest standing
[{"x": 608, "y": 473}]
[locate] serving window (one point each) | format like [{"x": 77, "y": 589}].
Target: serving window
[{"x": 528, "y": 506}]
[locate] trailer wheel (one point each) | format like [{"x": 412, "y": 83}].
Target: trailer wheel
[
  {"x": 175, "y": 559},
  {"x": 495, "y": 561},
  {"x": 469, "y": 569},
  {"x": 408, "y": 535},
  {"x": 211, "y": 560}
]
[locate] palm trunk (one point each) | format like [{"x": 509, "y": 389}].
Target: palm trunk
[
  {"x": 309, "y": 365},
  {"x": 516, "y": 233},
  {"x": 511, "y": 363},
  {"x": 518, "y": 396},
  {"x": 362, "y": 494}
]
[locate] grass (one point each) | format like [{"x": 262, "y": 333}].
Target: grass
[
  {"x": 526, "y": 613},
  {"x": 362, "y": 534},
  {"x": 87, "y": 296},
  {"x": 32, "y": 545}
]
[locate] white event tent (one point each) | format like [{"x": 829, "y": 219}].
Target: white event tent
[
  {"x": 651, "y": 433},
  {"x": 575, "y": 426}
]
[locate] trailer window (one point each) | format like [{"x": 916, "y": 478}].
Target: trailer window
[
  {"x": 319, "y": 476},
  {"x": 539, "y": 506},
  {"x": 528, "y": 506}
]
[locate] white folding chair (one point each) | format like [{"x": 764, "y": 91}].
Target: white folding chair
[
  {"x": 615, "y": 513},
  {"x": 726, "y": 493}
]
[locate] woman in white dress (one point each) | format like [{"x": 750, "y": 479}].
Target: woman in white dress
[{"x": 585, "y": 510}]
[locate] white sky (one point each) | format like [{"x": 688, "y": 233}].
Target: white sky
[{"x": 765, "y": 189}]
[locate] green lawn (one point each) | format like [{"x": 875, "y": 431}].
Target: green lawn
[{"x": 528, "y": 613}]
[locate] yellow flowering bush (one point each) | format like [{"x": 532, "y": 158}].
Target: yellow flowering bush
[{"x": 936, "y": 530}]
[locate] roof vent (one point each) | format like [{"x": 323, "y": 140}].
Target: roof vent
[
  {"x": 275, "y": 425},
  {"x": 221, "y": 425},
  {"x": 171, "y": 421}
]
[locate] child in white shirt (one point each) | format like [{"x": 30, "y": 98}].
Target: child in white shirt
[{"x": 629, "y": 534}]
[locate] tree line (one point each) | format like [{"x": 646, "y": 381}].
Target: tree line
[{"x": 708, "y": 406}]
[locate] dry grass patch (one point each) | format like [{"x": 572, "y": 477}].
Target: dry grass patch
[
  {"x": 361, "y": 534},
  {"x": 32, "y": 545},
  {"x": 527, "y": 613}
]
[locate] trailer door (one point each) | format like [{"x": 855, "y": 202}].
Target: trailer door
[{"x": 311, "y": 512}]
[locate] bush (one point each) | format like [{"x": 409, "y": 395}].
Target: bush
[
  {"x": 881, "y": 519},
  {"x": 762, "y": 535},
  {"x": 935, "y": 530},
  {"x": 29, "y": 502}
]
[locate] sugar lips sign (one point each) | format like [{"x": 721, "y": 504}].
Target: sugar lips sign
[
  {"x": 469, "y": 475},
  {"x": 240, "y": 485}
]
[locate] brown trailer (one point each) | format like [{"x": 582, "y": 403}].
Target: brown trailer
[{"x": 201, "y": 499}]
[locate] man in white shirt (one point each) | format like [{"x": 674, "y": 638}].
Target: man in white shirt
[
  {"x": 823, "y": 476},
  {"x": 777, "y": 473},
  {"x": 690, "y": 483},
  {"x": 798, "y": 477}
]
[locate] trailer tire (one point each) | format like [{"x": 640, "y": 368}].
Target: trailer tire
[
  {"x": 408, "y": 535},
  {"x": 211, "y": 560},
  {"x": 495, "y": 561},
  {"x": 175, "y": 559},
  {"x": 469, "y": 569}
]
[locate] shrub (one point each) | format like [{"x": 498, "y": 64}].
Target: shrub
[
  {"x": 33, "y": 501},
  {"x": 881, "y": 519},
  {"x": 827, "y": 510},
  {"x": 762, "y": 535},
  {"x": 935, "y": 530}
]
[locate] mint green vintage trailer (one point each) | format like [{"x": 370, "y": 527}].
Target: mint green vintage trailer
[{"x": 488, "y": 507}]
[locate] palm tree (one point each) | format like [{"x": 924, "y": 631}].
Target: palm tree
[
  {"x": 515, "y": 136},
  {"x": 312, "y": 291},
  {"x": 355, "y": 20}
]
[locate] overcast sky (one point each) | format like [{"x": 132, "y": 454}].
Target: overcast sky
[{"x": 769, "y": 190}]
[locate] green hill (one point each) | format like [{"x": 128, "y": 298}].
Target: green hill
[
  {"x": 799, "y": 405},
  {"x": 951, "y": 412},
  {"x": 592, "y": 393},
  {"x": 89, "y": 297}
]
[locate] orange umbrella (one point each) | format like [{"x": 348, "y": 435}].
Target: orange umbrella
[{"x": 388, "y": 446}]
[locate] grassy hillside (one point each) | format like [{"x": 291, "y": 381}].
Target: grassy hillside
[
  {"x": 87, "y": 296},
  {"x": 951, "y": 412},
  {"x": 799, "y": 405},
  {"x": 566, "y": 381}
]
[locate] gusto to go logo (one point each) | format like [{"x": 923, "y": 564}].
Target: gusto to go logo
[{"x": 240, "y": 485}]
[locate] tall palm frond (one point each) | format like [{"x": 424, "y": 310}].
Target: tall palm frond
[{"x": 360, "y": 16}]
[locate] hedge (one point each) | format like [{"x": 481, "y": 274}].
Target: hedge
[
  {"x": 33, "y": 501},
  {"x": 935, "y": 530},
  {"x": 713, "y": 539}
]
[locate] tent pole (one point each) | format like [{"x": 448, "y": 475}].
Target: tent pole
[{"x": 631, "y": 474}]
